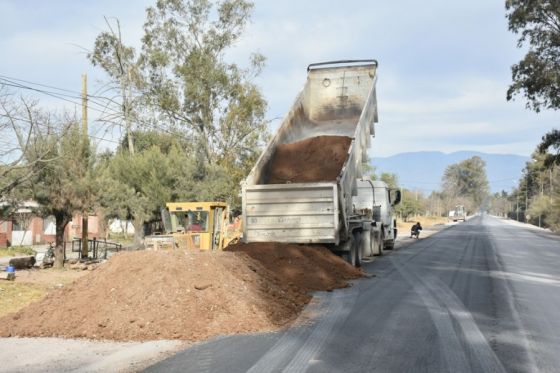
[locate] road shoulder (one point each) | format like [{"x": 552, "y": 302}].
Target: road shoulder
[{"x": 67, "y": 355}]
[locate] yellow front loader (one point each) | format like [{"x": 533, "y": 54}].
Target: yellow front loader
[{"x": 195, "y": 225}]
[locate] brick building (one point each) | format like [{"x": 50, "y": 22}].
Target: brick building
[{"x": 26, "y": 228}]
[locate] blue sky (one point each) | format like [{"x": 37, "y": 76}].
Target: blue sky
[{"x": 444, "y": 66}]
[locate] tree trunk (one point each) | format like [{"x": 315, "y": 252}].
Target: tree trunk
[
  {"x": 138, "y": 232},
  {"x": 85, "y": 236},
  {"x": 61, "y": 221}
]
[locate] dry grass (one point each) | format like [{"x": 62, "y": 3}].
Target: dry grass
[
  {"x": 425, "y": 221},
  {"x": 17, "y": 251},
  {"x": 14, "y": 296},
  {"x": 32, "y": 285}
]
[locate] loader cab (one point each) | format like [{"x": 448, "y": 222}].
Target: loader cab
[{"x": 197, "y": 225}]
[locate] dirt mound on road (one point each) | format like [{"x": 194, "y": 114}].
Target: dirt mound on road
[
  {"x": 148, "y": 295},
  {"x": 311, "y": 160},
  {"x": 163, "y": 295},
  {"x": 311, "y": 268}
]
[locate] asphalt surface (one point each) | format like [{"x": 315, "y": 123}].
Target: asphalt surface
[{"x": 480, "y": 296}]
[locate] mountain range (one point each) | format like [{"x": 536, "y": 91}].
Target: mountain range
[{"x": 423, "y": 170}]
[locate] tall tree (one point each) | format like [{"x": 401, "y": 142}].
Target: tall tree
[
  {"x": 411, "y": 204},
  {"x": 137, "y": 186},
  {"x": 22, "y": 126},
  {"x": 537, "y": 75},
  {"x": 391, "y": 179},
  {"x": 214, "y": 102},
  {"x": 121, "y": 64},
  {"x": 550, "y": 147},
  {"x": 467, "y": 179},
  {"x": 64, "y": 186}
]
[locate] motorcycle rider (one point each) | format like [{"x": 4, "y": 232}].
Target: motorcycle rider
[{"x": 415, "y": 230}]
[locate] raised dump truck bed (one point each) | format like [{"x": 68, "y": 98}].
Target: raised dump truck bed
[{"x": 309, "y": 201}]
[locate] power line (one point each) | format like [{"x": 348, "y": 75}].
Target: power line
[
  {"x": 75, "y": 94},
  {"x": 46, "y": 126},
  {"x": 61, "y": 96},
  {"x": 105, "y": 108}
]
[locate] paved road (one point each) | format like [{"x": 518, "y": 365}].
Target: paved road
[{"x": 481, "y": 296}]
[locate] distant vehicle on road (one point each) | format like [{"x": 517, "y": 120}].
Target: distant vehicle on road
[{"x": 458, "y": 214}]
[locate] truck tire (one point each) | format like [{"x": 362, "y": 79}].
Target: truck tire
[
  {"x": 355, "y": 253},
  {"x": 390, "y": 245},
  {"x": 380, "y": 243},
  {"x": 374, "y": 243}
]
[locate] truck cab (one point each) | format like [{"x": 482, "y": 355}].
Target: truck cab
[{"x": 377, "y": 196}]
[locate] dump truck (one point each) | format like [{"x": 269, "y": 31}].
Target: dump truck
[
  {"x": 302, "y": 187},
  {"x": 195, "y": 225}
]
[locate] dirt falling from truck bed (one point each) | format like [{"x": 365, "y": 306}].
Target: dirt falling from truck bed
[
  {"x": 148, "y": 295},
  {"x": 311, "y": 160},
  {"x": 311, "y": 268}
]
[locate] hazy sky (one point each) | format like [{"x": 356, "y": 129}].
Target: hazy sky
[{"x": 444, "y": 66}]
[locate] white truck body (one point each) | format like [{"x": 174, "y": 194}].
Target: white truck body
[
  {"x": 383, "y": 199},
  {"x": 458, "y": 214},
  {"x": 337, "y": 99}
]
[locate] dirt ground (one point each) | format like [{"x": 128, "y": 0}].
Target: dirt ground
[
  {"x": 311, "y": 160},
  {"x": 182, "y": 295}
]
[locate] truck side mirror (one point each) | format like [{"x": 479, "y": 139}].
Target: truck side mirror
[{"x": 397, "y": 198}]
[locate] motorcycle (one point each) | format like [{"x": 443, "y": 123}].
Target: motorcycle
[
  {"x": 46, "y": 259},
  {"x": 415, "y": 231}
]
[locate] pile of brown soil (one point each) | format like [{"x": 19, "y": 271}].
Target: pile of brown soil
[
  {"x": 163, "y": 295},
  {"x": 311, "y": 160},
  {"x": 311, "y": 268}
]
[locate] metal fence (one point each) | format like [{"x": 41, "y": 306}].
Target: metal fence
[{"x": 97, "y": 249}]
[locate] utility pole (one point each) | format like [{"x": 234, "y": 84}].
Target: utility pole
[
  {"x": 526, "y": 200},
  {"x": 550, "y": 172},
  {"x": 517, "y": 209},
  {"x": 85, "y": 242}
]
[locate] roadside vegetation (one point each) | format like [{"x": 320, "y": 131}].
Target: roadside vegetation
[
  {"x": 192, "y": 123},
  {"x": 32, "y": 285},
  {"x": 16, "y": 251},
  {"x": 464, "y": 183},
  {"x": 536, "y": 78},
  {"x": 14, "y": 296}
]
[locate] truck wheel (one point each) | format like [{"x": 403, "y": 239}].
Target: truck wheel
[
  {"x": 389, "y": 244},
  {"x": 373, "y": 243},
  {"x": 380, "y": 243}
]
